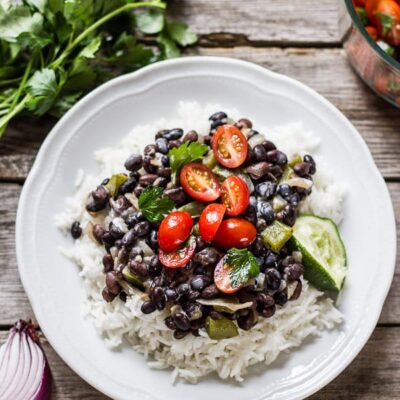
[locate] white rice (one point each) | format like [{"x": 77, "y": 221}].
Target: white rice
[{"x": 192, "y": 358}]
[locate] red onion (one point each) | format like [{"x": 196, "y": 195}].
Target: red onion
[{"x": 24, "y": 371}]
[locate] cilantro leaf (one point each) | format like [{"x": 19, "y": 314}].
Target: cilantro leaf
[
  {"x": 180, "y": 33},
  {"x": 32, "y": 41},
  {"x": 387, "y": 22},
  {"x": 168, "y": 46},
  {"x": 150, "y": 22},
  {"x": 244, "y": 266},
  {"x": 362, "y": 14},
  {"x": 154, "y": 205},
  {"x": 64, "y": 103},
  {"x": 184, "y": 154}
]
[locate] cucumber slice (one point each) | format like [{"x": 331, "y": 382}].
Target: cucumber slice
[
  {"x": 324, "y": 254},
  {"x": 276, "y": 235}
]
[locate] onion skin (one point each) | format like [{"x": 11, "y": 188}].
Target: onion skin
[{"x": 31, "y": 377}]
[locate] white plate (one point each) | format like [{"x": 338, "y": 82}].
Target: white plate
[{"x": 104, "y": 117}]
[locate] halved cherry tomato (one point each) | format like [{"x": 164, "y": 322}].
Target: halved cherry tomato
[
  {"x": 229, "y": 146},
  {"x": 235, "y": 232},
  {"x": 200, "y": 182},
  {"x": 235, "y": 194},
  {"x": 222, "y": 279},
  {"x": 210, "y": 220},
  {"x": 174, "y": 230},
  {"x": 179, "y": 257},
  {"x": 372, "y": 31}
]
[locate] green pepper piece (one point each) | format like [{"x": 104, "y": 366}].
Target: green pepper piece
[
  {"x": 115, "y": 183},
  {"x": 219, "y": 329},
  {"x": 132, "y": 278},
  {"x": 193, "y": 208},
  {"x": 288, "y": 173},
  {"x": 276, "y": 235},
  {"x": 209, "y": 160},
  {"x": 297, "y": 158}
]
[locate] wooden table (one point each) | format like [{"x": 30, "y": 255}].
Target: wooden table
[{"x": 295, "y": 37}]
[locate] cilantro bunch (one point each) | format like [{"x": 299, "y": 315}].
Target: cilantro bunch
[{"x": 52, "y": 52}]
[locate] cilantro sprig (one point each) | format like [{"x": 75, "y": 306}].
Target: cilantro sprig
[
  {"x": 387, "y": 22},
  {"x": 244, "y": 266},
  {"x": 53, "y": 52},
  {"x": 184, "y": 154},
  {"x": 154, "y": 205}
]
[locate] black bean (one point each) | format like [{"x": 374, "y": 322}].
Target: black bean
[
  {"x": 100, "y": 195},
  {"x": 287, "y": 261},
  {"x": 162, "y": 145},
  {"x": 107, "y": 295},
  {"x": 76, "y": 230},
  {"x": 193, "y": 295},
  {"x": 115, "y": 232},
  {"x": 246, "y": 296},
  {"x": 307, "y": 158},
  {"x": 161, "y": 133},
  {"x": 268, "y": 312},
  {"x": 108, "y": 239},
  {"x": 123, "y": 296},
  {"x": 183, "y": 289},
  {"x": 155, "y": 266},
  {"x": 287, "y": 215},
  {"x": 148, "y": 307},
  {"x": 252, "y": 133},
  {"x": 120, "y": 205},
  {"x": 158, "y": 298},
  {"x": 193, "y": 311},
  {"x": 199, "y": 282},
  {"x": 294, "y": 271},
  {"x": 265, "y": 300},
  {"x": 128, "y": 186},
  {"x": 160, "y": 182},
  {"x": 178, "y": 334},
  {"x": 215, "y": 124},
  {"x": 99, "y": 201},
  {"x": 149, "y": 166},
  {"x": 164, "y": 172},
  {"x": 281, "y": 298},
  {"x": 257, "y": 246},
  {"x": 275, "y": 172},
  {"x": 266, "y": 189},
  {"x": 150, "y": 150},
  {"x": 112, "y": 283},
  {"x": 129, "y": 238},
  {"x": 261, "y": 224},
  {"x": 284, "y": 190},
  {"x": 273, "y": 279},
  {"x": 170, "y": 294},
  {"x": 118, "y": 243},
  {"x": 297, "y": 291},
  {"x": 177, "y": 195},
  {"x": 215, "y": 315},
  {"x": 174, "y": 134},
  {"x": 200, "y": 244},
  {"x": 147, "y": 179},
  {"x": 105, "y": 181},
  {"x": 277, "y": 157},
  {"x": 244, "y": 123},
  {"x": 174, "y": 143},
  {"x": 134, "y": 218},
  {"x": 169, "y": 322},
  {"x": 136, "y": 251},
  {"x": 253, "y": 201},
  {"x": 207, "y": 140},
  {"x": 251, "y": 216},
  {"x": 134, "y": 162},
  {"x": 302, "y": 169},
  {"x": 218, "y": 116},
  {"x": 191, "y": 136},
  {"x": 271, "y": 260},
  {"x": 247, "y": 322},
  {"x": 108, "y": 262},
  {"x": 142, "y": 228},
  {"x": 164, "y": 161},
  {"x": 293, "y": 199},
  {"x": 208, "y": 257},
  {"x": 182, "y": 321},
  {"x": 138, "y": 190},
  {"x": 257, "y": 171},
  {"x": 259, "y": 153},
  {"x": 267, "y": 212},
  {"x": 249, "y": 157},
  {"x": 138, "y": 268},
  {"x": 268, "y": 145},
  {"x": 210, "y": 292}
]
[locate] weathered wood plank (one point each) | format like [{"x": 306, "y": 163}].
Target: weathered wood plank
[
  {"x": 326, "y": 71},
  {"x": 14, "y": 303},
  {"x": 372, "y": 375},
  {"x": 233, "y": 22}
]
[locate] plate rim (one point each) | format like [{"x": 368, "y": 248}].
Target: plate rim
[{"x": 246, "y": 66}]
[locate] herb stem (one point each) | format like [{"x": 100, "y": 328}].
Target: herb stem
[
  {"x": 6, "y": 119},
  {"x": 8, "y": 82},
  {"x": 22, "y": 84},
  {"x": 58, "y": 62}
]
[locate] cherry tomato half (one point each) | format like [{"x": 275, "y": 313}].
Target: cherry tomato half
[
  {"x": 179, "y": 257},
  {"x": 229, "y": 146},
  {"x": 235, "y": 194},
  {"x": 210, "y": 220},
  {"x": 200, "y": 182},
  {"x": 174, "y": 230},
  {"x": 222, "y": 279},
  {"x": 372, "y": 31},
  {"x": 235, "y": 232}
]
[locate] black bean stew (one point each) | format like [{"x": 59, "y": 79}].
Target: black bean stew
[{"x": 244, "y": 269}]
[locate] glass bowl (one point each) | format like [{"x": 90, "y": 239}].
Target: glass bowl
[{"x": 376, "y": 68}]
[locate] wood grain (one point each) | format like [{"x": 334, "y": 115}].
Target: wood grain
[
  {"x": 326, "y": 71},
  {"x": 16, "y": 304},
  {"x": 372, "y": 375},
  {"x": 260, "y": 22}
]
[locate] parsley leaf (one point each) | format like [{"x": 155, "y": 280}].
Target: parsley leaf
[
  {"x": 387, "y": 22},
  {"x": 362, "y": 14},
  {"x": 150, "y": 22},
  {"x": 154, "y": 205},
  {"x": 184, "y": 154},
  {"x": 244, "y": 266},
  {"x": 180, "y": 33}
]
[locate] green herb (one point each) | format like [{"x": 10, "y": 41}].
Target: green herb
[
  {"x": 154, "y": 205},
  {"x": 184, "y": 154},
  {"x": 386, "y": 47},
  {"x": 387, "y": 22},
  {"x": 52, "y": 52},
  {"x": 362, "y": 14},
  {"x": 393, "y": 86},
  {"x": 244, "y": 266}
]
